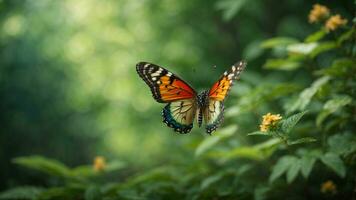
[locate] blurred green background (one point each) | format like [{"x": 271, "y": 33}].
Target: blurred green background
[{"x": 69, "y": 89}]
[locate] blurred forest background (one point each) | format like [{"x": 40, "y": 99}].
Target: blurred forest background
[{"x": 70, "y": 96}]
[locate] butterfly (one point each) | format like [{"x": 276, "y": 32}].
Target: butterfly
[{"x": 184, "y": 104}]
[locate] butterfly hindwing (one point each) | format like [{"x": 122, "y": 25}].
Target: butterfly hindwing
[
  {"x": 213, "y": 115},
  {"x": 165, "y": 86},
  {"x": 221, "y": 88},
  {"x": 179, "y": 115}
]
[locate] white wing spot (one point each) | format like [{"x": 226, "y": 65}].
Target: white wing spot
[
  {"x": 230, "y": 76},
  {"x": 169, "y": 74},
  {"x": 146, "y": 65},
  {"x": 154, "y": 78}
]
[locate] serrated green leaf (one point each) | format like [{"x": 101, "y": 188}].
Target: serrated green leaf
[
  {"x": 293, "y": 171},
  {"x": 281, "y": 64},
  {"x": 314, "y": 37},
  {"x": 289, "y": 123},
  {"x": 211, "y": 141},
  {"x": 333, "y": 161},
  {"x": 302, "y": 140},
  {"x": 23, "y": 192},
  {"x": 307, "y": 163},
  {"x": 46, "y": 165},
  {"x": 278, "y": 41},
  {"x": 307, "y": 94},
  {"x": 282, "y": 166}
]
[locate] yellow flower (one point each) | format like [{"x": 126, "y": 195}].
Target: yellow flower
[
  {"x": 328, "y": 187},
  {"x": 335, "y": 22},
  {"x": 99, "y": 163},
  {"x": 268, "y": 121},
  {"x": 318, "y": 13}
]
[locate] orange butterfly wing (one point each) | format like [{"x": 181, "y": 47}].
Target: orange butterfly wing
[
  {"x": 220, "y": 89},
  {"x": 165, "y": 86}
]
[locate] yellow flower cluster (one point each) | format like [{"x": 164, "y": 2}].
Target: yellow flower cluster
[
  {"x": 318, "y": 13},
  {"x": 334, "y": 22},
  {"x": 99, "y": 163},
  {"x": 268, "y": 121},
  {"x": 328, "y": 187}
]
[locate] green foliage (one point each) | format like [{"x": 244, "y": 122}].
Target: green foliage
[
  {"x": 69, "y": 92},
  {"x": 24, "y": 192}
]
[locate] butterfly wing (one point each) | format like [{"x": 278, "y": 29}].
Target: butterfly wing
[
  {"x": 214, "y": 111},
  {"x": 179, "y": 115},
  {"x": 165, "y": 86},
  {"x": 221, "y": 88}
]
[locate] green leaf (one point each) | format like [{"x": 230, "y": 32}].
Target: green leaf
[
  {"x": 60, "y": 193},
  {"x": 332, "y": 106},
  {"x": 289, "y": 123},
  {"x": 346, "y": 36},
  {"x": 293, "y": 171},
  {"x": 323, "y": 47},
  {"x": 282, "y": 166},
  {"x": 211, "y": 180},
  {"x": 258, "y": 133},
  {"x": 24, "y": 192},
  {"x": 333, "y": 161},
  {"x": 302, "y": 48},
  {"x": 242, "y": 152},
  {"x": 307, "y": 94},
  {"x": 316, "y": 36},
  {"x": 260, "y": 193},
  {"x": 340, "y": 68},
  {"x": 342, "y": 144},
  {"x": 46, "y": 165},
  {"x": 336, "y": 103},
  {"x": 281, "y": 64},
  {"x": 307, "y": 163},
  {"x": 211, "y": 141},
  {"x": 92, "y": 193},
  {"x": 278, "y": 41},
  {"x": 302, "y": 140},
  {"x": 230, "y": 8}
]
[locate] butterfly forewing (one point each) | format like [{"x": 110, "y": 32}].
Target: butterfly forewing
[
  {"x": 165, "y": 86},
  {"x": 221, "y": 88}
]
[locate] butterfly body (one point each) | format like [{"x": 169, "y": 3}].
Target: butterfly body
[{"x": 184, "y": 104}]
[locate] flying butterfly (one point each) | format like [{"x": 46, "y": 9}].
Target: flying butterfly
[{"x": 184, "y": 104}]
